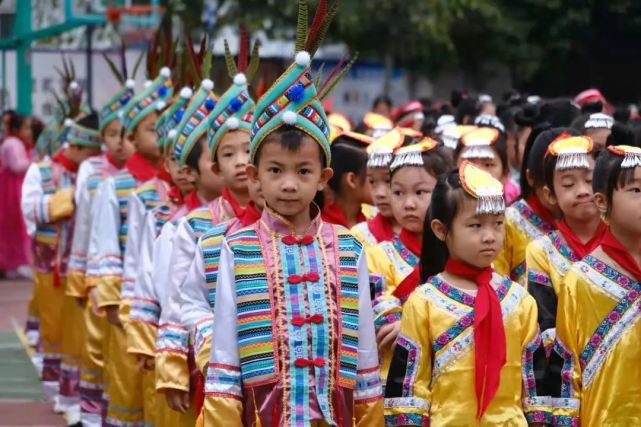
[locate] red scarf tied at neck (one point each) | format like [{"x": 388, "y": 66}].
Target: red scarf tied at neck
[
  {"x": 380, "y": 228},
  {"x": 65, "y": 161},
  {"x": 411, "y": 281},
  {"x": 581, "y": 249},
  {"x": 615, "y": 250},
  {"x": 140, "y": 167},
  {"x": 489, "y": 333}
]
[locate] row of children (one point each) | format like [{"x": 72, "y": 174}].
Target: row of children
[{"x": 205, "y": 256}]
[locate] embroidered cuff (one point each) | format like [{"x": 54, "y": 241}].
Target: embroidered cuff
[
  {"x": 538, "y": 409},
  {"x": 407, "y": 411},
  {"x": 108, "y": 265},
  {"x": 387, "y": 309},
  {"x": 173, "y": 338},
  {"x": 202, "y": 332},
  {"x": 368, "y": 385},
  {"x": 565, "y": 411},
  {"x": 145, "y": 310},
  {"x": 539, "y": 278},
  {"x": 223, "y": 381}
]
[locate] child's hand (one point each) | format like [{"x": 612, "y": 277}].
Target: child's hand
[
  {"x": 113, "y": 315},
  {"x": 178, "y": 400},
  {"x": 386, "y": 335}
]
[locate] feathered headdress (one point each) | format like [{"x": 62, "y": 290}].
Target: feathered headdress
[{"x": 110, "y": 111}]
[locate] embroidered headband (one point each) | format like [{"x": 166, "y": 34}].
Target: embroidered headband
[
  {"x": 170, "y": 118},
  {"x": 572, "y": 152},
  {"x": 489, "y": 120},
  {"x": 631, "y": 155},
  {"x": 483, "y": 187},
  {"x": 145, "y": 103},
  {"x": 80, "y": 135},
  {"x": 381, "y": 151},
  {"x": 452, "y": 135},
  {"x": 478, "y": 143},
  {"x": 111, "y": 110},
  {"x": 412, "y": 155},
  {"x": 599, "y": 121}
]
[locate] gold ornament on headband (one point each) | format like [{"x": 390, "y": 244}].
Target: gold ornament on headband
[
  {"x": 381, "y": 151},
  {"x": 478, "y": 143},
  {"x": 483, "y": 187},
  {"x": 377, "y": 124},
  {"x": 452, "y": 135},
  {"x": 572, "y": 152},
  {"x": 412, "y": 155},
  {"x": 631, "y": 155}
]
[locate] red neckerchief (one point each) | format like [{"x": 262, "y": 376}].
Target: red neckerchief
[
  {"x": 111, "y": 160},
  {"x": 175, "y": 196},
  {"x": 333, "y": 213},
  {"x": 140, "y": 168},
  {"x": 65, "y": 161},
  {"x": 489, "y": 333},
  {"x": 535, "y": 204},
  {"x": 411, "y": 281},
  {"x": 235, "y": 206},
  {"x": 581, "y": 249},
  {"x": 192, "y": 200},
  {"x": 164, "y": 174},
  {"x": 615, "y": 250},
  {"x": 250, "y": 216},
  {"x": 380, "y": 228}
]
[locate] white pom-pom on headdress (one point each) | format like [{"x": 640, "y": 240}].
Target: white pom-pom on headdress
[
  {"x": 165, "y": 72},
  {"x": 148, "y": 83},
  {"x": 232, "y": 123},
  {"x": 130, "y": 83},
  {"x": 207, "y": 84},
  {"x": 160, "y": 105},
  {"x": 74, "y": 85},
  {"x": 172, "y": 134},
  {"x": 303, "y": 58},
  {"x": 289, "y": 117},
  {"x": 186, "y": 93},
  {"x": 68, "y": 122},
  {"x": 240, "y": 79}
]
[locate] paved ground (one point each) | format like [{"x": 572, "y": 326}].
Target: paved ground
[{"x": 21, "y": 400}]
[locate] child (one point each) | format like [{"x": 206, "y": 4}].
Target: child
[
  {"x": 598, "y": 325},
  {"x": 467, "y": 350},
  {"x": 48, "y": 207},
  {"x": 393, "y": 264},
  {"x": 108, "y": 242},
  {"x": 598, "y": 127},
  {"x": 349, "y": 182},
  {"x": 530, "y": 217},
  {"x": 568, "y": 168},
  {"x": 91, "y": 173},
  {"x": 293, "y": 329}
]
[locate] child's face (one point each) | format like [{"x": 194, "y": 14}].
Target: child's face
[
  {"x": 144, "y": 137},
  {"x": 289, "y": 180},
  {"x": 25, "y": 132},
  {"x": 379, "y": 184},
  {"x": 79, "y": 154},
  {"x": 231, "y": 160},
  {"x": 120, "y": 148},
  {"x": 493, "y": 166},
  {"x": 208, "y": 181},
  {"x": 599, "y": 137},
  {"x": 625, "y": 212},
  {"x": 179, "y": 175},
  {"x": 471, "y": 238},
  {"x": 411, "y": 190},
  {"x": 573, "y": 193}
]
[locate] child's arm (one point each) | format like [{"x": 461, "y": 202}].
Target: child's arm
[
  {"x": 387, "y": 308},
  {"x": 39, "y": 208},
  {"x": 82, "y": 227},
  {"x": 135, "y": 223},
  {"x": 368, "y": 398},
  {"x": 540, "y": 287},
  {"x": 536, "y": 400},
  {"x": 407, "y": 394},
  {"x": 223, "y": 387}
]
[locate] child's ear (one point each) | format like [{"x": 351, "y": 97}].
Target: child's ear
[
  {"x": 601, "y": 204},
  {"x": 529, "y": 177},
  {"x": 351, "y": 180},
  {"x": 326, "y": 175},
  {"x": 549, "y": 195},
  {"x": 439, "y": 229},
  {"x": 252, "y": 172},
  {"x": 215, "y": 167}
]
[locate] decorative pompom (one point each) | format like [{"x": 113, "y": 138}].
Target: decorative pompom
[
  {"x": 209, "y": 104},
  {"x": 130, "y": 83},
  {"x": 162, "y": 91},
  {"x": 165, "y": 72},
  {"x": 295, "y": 93},
  {"x": 68, "y": 122},
  {"x": 235, "y": 104},
  {"x": 303, "y": 59},
  {"x": 160, "y": 105},
  {"x": 186, "y": 93},
  {"x": 124, "y": 100},
  {"x": 179, "y": 115},
  {"x": 120, "y": 114},
  {"x": 240, "y": 79},
  {"x": 172, "y": 134},
  {"x": 289, "y": 117},
  {"x": 207, "y": 84},
  {"x": 148, "y": 83},
  {"x": 74, "y": 85},
  {"x": 232, "y": 123}
]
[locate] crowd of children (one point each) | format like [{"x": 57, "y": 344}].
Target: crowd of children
[{"x": 225, "y": 260}]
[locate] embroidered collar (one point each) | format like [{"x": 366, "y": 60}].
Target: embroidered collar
[{"x": 278, "y": 224}]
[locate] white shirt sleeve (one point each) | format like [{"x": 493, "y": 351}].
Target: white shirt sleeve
[
  {"x": 82, "y": 226},
  {"x": 35, "y": 204},
  {"x": 85, "y": 170},
  {"x": 135, "y": 224}
]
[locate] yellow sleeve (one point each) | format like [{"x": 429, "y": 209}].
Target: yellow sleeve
[
  {"x": 407, "y": 391},
  {"x": 141, "y": 337},
  {"x": 502, "y": 263},
  {"x": 202, "y": 357},
  {"x": 539, "y": 285},
  {"x": 76, "y": 284},
  {"x": 61, "y": 204},
  {"x": 387, "y": 308}
]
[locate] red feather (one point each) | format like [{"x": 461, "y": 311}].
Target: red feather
[
  {"x": 193, "y": 56},
  {"x": 201, "y": 51},
  {"x": 334, "y": 71},
  {"x": 319, "y": 17},
  {"x": 243, "y": 49}
]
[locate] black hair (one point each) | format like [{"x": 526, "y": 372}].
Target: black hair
[
  {"x": 290, "y": 138},
  {"x": 500, "y": 146},
  {"x": 90, "y": 121},
  {"x": 382, "y": 99},
  {"x": 608, "y": 174},
  {"x": 468, "y": 107},
  {"x": 559, "y": 112},
  {"x": 578, "y": 124},
  {"x": 193, "y": 158},
  {"x": 526, "y": 189},
  {"x": 435, "y": 161},
  {"x": 15, "y": 122},
  {"x": 447, "y": 196},
  {"x": 592, "y": 107},
  {"x": 348, "y": 155},
  {"x": 36, "y": 127},
  {"x": 549, "y": 162}
]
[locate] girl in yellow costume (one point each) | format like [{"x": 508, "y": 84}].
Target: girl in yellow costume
[
  {"x": 599, "y": 310},
  {"x": 469, "y": 345},
  {"x": 568, "y": 168},
  {"x": 393, "y": 264}
]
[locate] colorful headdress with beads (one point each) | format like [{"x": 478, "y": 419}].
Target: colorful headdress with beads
[
  {"x": 170, "y": 118},
  {"x": 631, "y": 155},
  {"x": 293, "y": 100},
  {"x": 141, "y": 105},
  {"x": 81, "y": 135},
  {"x": 377, "y": 125},
  {"x": 412, "y": 155},
  {"x": 572, "y": 152},
  {"x": 478, "y": 143},
  {"x": 235, "y": 106},
  {"x": 452, "y": 135},
  {"x": 599, "y": 121},
  {"x": 381, "y": 151},
  {"x": 483, "y": 187}
]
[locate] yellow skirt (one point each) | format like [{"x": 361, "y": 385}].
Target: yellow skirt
[{"x": 50, "y": 305}]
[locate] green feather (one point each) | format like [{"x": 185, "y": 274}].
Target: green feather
[
  {"x": 137, "y": 64},
  {"x": 319, "y": 75},
  {"x": 206, "y": 65},
  {"x": 322, "y": 32},
  {"x": 254, "y": 60},
  {"x": 229, "y": 60},
  {"x": 114, "y": 69},
  {"x": 301, "y": 25},
  {"x": 331, "y": 85}
]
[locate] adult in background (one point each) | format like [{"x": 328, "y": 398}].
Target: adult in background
[{"x": 15, "y": 158}]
